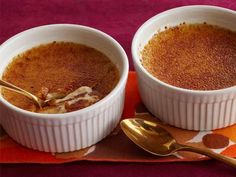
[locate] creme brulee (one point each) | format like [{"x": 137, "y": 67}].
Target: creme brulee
[
  {"x": 193, "y": 56},
  {"x": 81, "y": 73}
]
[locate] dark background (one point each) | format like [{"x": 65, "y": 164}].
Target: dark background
[{"x": 120, "y": 19}]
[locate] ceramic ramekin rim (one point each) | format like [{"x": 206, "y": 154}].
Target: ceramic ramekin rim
[
  {"x": 118, "y": 87},
  {"x": 136, "y": 58}
]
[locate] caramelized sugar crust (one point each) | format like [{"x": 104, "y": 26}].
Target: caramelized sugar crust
[
  {"x": 60, "y": 67},
  {"x": 193, "y": 56}
]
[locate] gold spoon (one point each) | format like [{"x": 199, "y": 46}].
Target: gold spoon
[
  {"x": 154, "y": 139},
  {"x": 39, "y": 102}
]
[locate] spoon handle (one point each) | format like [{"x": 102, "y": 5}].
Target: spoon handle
[
  {"x": 228, "y": 160},
  {"x": 14, "y": 88}
]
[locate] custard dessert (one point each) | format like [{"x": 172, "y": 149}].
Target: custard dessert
[
  {"x": 193, "y": 56},
  {"x": 76, "y": 74}
]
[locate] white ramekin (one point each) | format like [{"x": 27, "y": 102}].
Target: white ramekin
[
  {"x": 188, "y": 109},
  {"x": 69, "y": 131}
]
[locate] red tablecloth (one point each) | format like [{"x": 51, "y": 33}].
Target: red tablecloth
[{"x": 120, "y": 19}]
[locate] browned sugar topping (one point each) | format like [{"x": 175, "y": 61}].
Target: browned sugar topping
[
  {"x": 195, "y": 56},
  {"x": 59, "y": 67}
]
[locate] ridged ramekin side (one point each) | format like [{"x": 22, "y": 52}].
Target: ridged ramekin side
[
  {"x": 186, "y": 110},
  {"x": 64, "y": 135}
]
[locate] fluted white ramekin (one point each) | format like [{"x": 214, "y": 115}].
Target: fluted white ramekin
[
  {"x": 69, "y": 131},
  {"x": 188, "y": 109}
]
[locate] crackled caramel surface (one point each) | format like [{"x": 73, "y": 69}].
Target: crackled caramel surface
[
  {"x": 193, "y": 56},
  {"x": 59, "y": 67}
]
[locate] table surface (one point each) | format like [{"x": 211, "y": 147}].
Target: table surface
[{"x": 120, "y": 19}]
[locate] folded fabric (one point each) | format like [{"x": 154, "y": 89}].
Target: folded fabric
[{"x": 117, "y": 147}]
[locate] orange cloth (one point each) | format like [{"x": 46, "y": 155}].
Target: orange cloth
[{"x": 110, "y": 149}]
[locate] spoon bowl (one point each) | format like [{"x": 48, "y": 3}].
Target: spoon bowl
[
  {"x": 142, "y": 132},
  {"x": 153, "y": 138}
]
